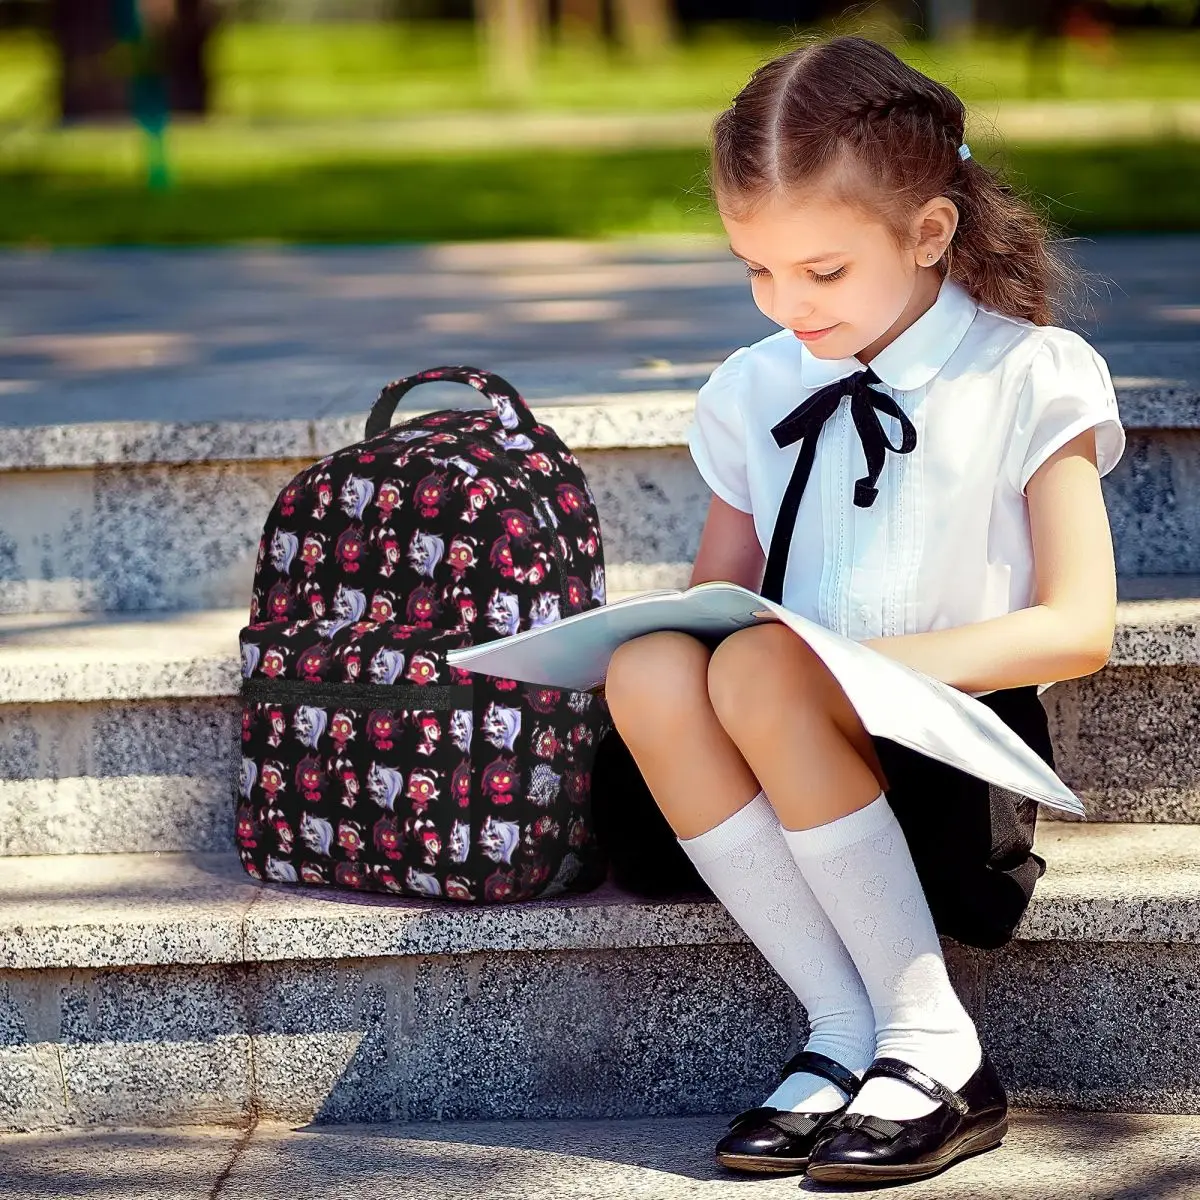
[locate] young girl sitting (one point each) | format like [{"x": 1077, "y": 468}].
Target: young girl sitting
[{"x": 913, "y": 293}]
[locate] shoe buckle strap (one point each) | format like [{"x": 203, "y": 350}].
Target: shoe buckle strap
[
  {"x": 898, "y": 1069},
  {"x": 878, "y": 1128},
  {"x": 816, "y": 1063}
]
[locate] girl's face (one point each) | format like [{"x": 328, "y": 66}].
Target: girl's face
[{"x": 825, "y": 270}]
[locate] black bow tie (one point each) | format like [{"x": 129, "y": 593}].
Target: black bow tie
[{"x": 805, "y": 422}]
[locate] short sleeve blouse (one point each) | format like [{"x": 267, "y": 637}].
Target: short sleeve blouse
[{"x": 947, "y": 541}]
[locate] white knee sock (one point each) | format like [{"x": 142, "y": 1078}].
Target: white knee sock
[
  {"x": 746, "y": 862},
  {"x": 860, "y": 868}
]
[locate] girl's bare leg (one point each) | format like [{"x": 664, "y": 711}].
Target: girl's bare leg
[
  {"x": 657, "y": 693},
  {"x": 797, "y": 731},
  {"x": 787, "y": 714}
]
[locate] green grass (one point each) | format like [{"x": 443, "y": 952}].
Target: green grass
[
  {"x": 515, "y": 193},
  {"x": 293, "y": 156},
  {"x": 270, "y": 72}
]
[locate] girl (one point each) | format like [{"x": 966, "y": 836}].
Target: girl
[{"x": 907, "y": 282}]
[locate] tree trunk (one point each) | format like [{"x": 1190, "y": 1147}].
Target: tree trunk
[
  {"x": 581, "y": 21},
  {"x": 645, "y": 28},
  {"x": 87, "y": 84},
  {"x": 511, "y": 31},
  {"x": 91, "y": 82}
]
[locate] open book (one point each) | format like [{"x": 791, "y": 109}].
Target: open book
[{"x": 892, "y": 699}]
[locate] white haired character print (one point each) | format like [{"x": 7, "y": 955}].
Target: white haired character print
[
  {"x": 317, "y": 834},
  {"x": 503, "y": 613},
  {"x": 355, "y": 495},
  {"x": 501, "y": 725},
  {"x": 498, "y": 839},
  {"x": 545, "y": 610},
  {"x": 462, "y": 724},
  {"x": 250, "y": 656},
  {"x": 384, "y": 784},
  {"x": 386, "y": 665},
  {"x": 425, "y": 551},
  {"x": 283, "y": 550},
  {"x": 309, "y": 725},
  {"x": 460, "y": 842}
]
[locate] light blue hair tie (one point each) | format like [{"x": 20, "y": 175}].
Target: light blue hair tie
[{"x": 964, "y": 151}]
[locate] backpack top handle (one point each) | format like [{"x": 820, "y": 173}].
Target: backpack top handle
[{"x": 510, "y": 407}]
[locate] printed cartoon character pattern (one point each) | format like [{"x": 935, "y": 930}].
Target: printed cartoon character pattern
[{"x": 368, "y": 762}]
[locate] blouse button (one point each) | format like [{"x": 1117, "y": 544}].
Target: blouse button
[{"x": 864, "y": 611}]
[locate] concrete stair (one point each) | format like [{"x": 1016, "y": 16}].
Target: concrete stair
[
  {"x": 171, "y": 989},
  {"x": 146, "y": 980},
  {"x": 117, "y": 731}
]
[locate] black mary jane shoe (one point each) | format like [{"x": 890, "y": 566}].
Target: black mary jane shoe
[
  {"x": 862, "y": 1148},
  {"x": 773, "y": 1140}
]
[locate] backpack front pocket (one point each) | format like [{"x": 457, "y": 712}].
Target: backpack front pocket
[{"x": 365, "y": 783}]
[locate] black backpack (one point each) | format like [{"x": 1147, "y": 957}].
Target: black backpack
[{"x": 368, "y": 762}]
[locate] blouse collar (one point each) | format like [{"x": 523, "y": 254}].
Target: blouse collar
[{"x": 913, "y": 358}]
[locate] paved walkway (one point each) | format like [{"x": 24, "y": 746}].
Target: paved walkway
[
  {"x": 257, "y": 333},
  {"x": 1081, "y": 1156}
]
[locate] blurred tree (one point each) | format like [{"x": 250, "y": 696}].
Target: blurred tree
[
  {"x": 645, "y": 28},
  {"x": 85, "y": 36},
  {"x": 511, "y": 32},
  {"x": 94, "y": 69},
  {"x": 581, "y": 22}
]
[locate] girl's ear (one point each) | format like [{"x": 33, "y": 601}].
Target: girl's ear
[{"x": 933, "y": 226}]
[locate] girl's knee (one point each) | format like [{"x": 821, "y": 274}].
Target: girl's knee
[
  {"x": 655, "y": 670},
  {"x": 749, "y": 669}
]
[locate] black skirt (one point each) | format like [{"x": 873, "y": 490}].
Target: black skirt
[{"x": 970, "y": 841}]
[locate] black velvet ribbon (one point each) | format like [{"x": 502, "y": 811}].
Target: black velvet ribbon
[{"x": 805, "y": 422}]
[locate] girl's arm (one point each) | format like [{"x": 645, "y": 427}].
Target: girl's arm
[
  {"x": 1068, "y": 632},
  {"x": 729, "y": 548}
]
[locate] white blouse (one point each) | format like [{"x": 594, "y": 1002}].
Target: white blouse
[{"x": 947, "y": 540}]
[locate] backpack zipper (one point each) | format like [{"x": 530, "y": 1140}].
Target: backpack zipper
[{"x": 359, "y": 695}]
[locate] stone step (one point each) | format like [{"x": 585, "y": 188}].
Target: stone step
[
  {"x": 1134, "y": 1156},
  {"x": 139, "y": 515},
  {"x": 172, "y": 989},
  {"x": 119, "y": 733}
]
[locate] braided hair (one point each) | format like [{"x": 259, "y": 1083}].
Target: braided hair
[{"x": 849, "y": 100}]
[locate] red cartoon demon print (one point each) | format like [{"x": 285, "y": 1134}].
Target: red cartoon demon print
[
  {"x": 380, "y": 727},
  {"x": 461, "y": 556},
  {"x": 312, "y": 552},
  {"x": 460, "y": 783},
  {"x": 311, "y": 664},
  {"x": 310, "y": 778},
  {"x": 570, "y": 499},
  {"x": 387, "y": 836},
  {"x": 349, "y": 837},
  {"x": 421, "y": 669},
  {"x": 279, "y": 602},
  {"x": 349, "y": 549},
  {"x": 422, "y": 606},
  {"x": 499, "y": 779},
  {"x": 421, "y": 790},
  {"x": 430, "y": 493},
  {"x": 341, "y": 729},
  {"x": 289, "y": 498}
]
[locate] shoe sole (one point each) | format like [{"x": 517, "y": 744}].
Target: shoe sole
[
  {"x": 977, "y": 1142},
  {"x": 761, "y": 1165}
]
